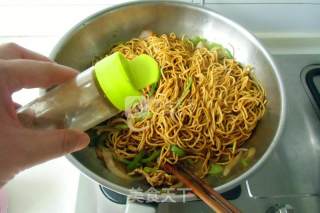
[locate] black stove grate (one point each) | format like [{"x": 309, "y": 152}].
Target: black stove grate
[{"x": 310, "y": 77}]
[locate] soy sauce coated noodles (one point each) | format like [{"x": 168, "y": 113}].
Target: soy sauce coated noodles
[{"x": 200, "y": 113}]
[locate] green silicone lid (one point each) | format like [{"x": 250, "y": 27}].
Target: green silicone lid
[{"x": 121, "y": 79}]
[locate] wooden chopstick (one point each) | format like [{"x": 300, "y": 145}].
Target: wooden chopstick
[
  {"x": 212, "y": 198},
  {"x": 214, "y": 194}
]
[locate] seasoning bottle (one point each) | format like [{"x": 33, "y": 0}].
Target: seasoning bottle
[{"x": 93, "y": 96}]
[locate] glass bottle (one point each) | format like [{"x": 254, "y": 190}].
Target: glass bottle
[{"x": 77, "y": 104}]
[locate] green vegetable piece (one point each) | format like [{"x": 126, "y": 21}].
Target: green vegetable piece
[
  {"x": 121, "y": 126},
  {"x": 186, "y": 90},
  {"x": 214, "y": 46},
  {"x": 227, "y": 53},
  {"x": 195, "y": 40},
  {"x": 177, "y": 151},
  {"x": 188, "y": 85},
  {"x": 139, "y": 116},
  {"x": 123, "y": 160},
  {"x": 135, "y": 163},
  {"x": 215, "y": 169},
  {"x": 244, "y": 162},
  {"x": 152, "y": 157},
  {"x": 149, "y": 169},
  {"x": 153, "y": 89}
]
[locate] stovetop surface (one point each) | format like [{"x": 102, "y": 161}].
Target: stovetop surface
[
  {"x": 297, "y": 157},
  {"x": 292, "y": 174},
  {"x": 290, "y": 177}
]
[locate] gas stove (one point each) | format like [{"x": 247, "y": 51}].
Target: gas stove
[{"x": 288, "y": 182}]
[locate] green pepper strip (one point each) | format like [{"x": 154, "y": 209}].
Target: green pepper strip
[
  {"x": 153, "y": 89},
  {"x": 149, "y": 169},
  {"x": 227, "y": 53},
  {"x": 212, "y": 46},
  {"x": 215, "y": 169},
  {"x": 139, "y": 116},
  {"x": 185, "y": 92},
  {"x": 135, "y": 163},
  {"x": 121, "y": 126},
  {"x": 153, "y": 156},
  {"x": 177, "y": 151},
  {"x": 244, "y": 162},
  {"x": 123, "y": 160},
  {"x": 195, "y": 40}
]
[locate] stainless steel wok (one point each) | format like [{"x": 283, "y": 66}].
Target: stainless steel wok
[{"x": 95, "y": 35}]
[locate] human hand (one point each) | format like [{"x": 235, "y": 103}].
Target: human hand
[{"x": 21, "y": 148}]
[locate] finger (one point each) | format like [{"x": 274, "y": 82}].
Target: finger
[
  {"x": 22, "y": 73},
  {"x": 8, "y": 107},
  {"x": 40, "y": 146},
  {"x": 14, "y": 51}
]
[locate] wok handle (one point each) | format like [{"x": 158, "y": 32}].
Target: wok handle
[{"x": 133, "y": 207}]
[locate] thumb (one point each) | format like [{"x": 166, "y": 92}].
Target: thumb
[{"x": 43, "y": 145}]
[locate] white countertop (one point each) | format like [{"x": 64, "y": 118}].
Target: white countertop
[{"x": 49, "y": 187}]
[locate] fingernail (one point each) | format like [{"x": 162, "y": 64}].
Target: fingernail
[{"x": 82, "y": 141}]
